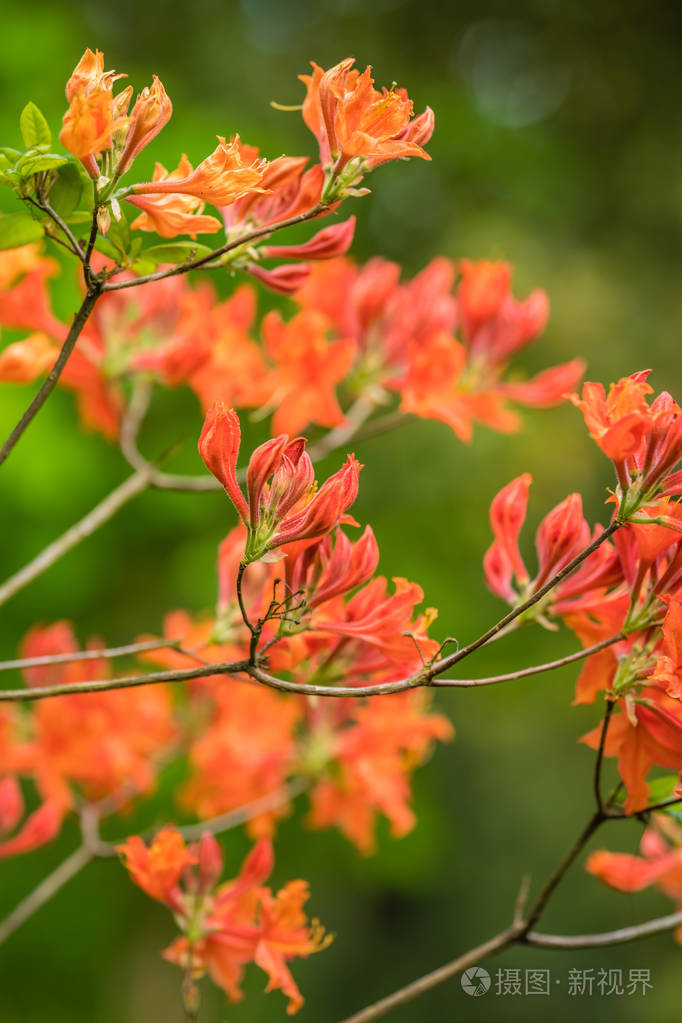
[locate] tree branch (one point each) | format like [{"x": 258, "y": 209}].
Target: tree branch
[
  {"x": 100, "y": 514},
  {"x": 124, "y": 682},
  {"x": 48, "y": 887},
  {"x": 91, "y": 655},
  {"x": 50, "y": 381}
]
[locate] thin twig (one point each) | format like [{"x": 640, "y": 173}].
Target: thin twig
[
  {"x": 51, "y": 379},
  {"x": 91, "y": 655},
  {"x": 616, "y": 937},
  {"x": 224, "y": 821},
  {"x": 510, "y": 676},
  {"x": 196, "y": 264},
  {"x": 124, "y": 682},
  {"x": 254, "y": 671},
  {"x": 48, "y": 887},
  {"x": 63, "y": 227},
  {"x": 543, "y": 898},
  {"x": 601, "y": 809}
]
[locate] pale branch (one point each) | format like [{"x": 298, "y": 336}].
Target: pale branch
[
  {"x": 255, "y": 672},
  {"x": 100, "y": 514},
  {"x": 235, "y": 243},
  {"x": 47, "y": 660},
  {"x": 510, "y": 676},
  {"x": 123, "y": 682},
  {"x": 53, "y": 376},
  {"x": 47, "y": 888},
  {"x": 221, "y": 822},
  {"x": 617, "y": 937}
]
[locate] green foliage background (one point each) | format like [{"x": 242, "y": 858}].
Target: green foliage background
[{"x": 558, "y": 148}]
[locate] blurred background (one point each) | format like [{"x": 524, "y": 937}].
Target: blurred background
[{"x": 557, "y": 148}]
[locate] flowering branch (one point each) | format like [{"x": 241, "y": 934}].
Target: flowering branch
[{"x": 196, "y": 264}]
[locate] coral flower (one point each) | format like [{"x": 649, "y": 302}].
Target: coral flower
[
  {"x": 219, "y": 179},
  {"x": 350, "y": 118}
]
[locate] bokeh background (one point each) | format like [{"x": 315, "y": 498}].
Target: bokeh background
[{"x": 558, "y": 148}]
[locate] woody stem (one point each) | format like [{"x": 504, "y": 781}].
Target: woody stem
[
  {"x": 196, "y": 264},
  {"x": 50, "y": 382}
]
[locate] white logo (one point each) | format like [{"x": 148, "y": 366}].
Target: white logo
[{"x": 476, "y": 981}]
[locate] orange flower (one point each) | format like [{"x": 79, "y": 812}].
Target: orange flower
[
  {"x": 351, "y": 119},
  {"x": 89, "y": 124},
  {"x": 287, "y": 509},
  {"x": 151, "y": 112},
  {"x": 219, "y": 179},
  {"x": 371, "y": 764},
  {"x": 25, "y": 360},
  {"x": 245, "y": 752},
  {"x": 157, "y": 869},
  {"x": 660, "y": 864},
  {"x": 618, "y": 421},
  {"x": 308, "y": 368}
]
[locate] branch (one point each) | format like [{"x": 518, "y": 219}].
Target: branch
[
  {"x": 100, "y": 514},
  {"x": 255, "y": 672},
  {"x": 601, "y": 809},
  {"x": 579, "y": 655},
  {"x": 50, "y": 381},
  {"x": 74, "y": 247},
  {"x": 48, "y": 887},
  {"x": 124, "y": 682},
  {"x": 91, "y": 655},
  {"x": 617, "y": 937},
  {"x": 196, "y": 264},
  {"x": 224, "y": 821}
]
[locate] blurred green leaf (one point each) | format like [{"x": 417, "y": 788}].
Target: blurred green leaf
[
  {"x": 35, "y": 130},
  {"x": 18, "y": 229},
  {"x": 119, "y": 234},
  {"x": 66, "y": 191},
  {"x": 104, "y": 246},
  {"x": 175, "y": 252},
  {"x": 11, "y": 154}
]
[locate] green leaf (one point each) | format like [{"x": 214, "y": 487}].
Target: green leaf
[
  {"x": 142, "y": 267},
  {"x": 66, "y": 192},
  {"x": 11, "y": 154},
  {"x": 30, "y": 165},
  {"x": 104, "y": 246},
  {"x": 18, "y": 229},
  {"x": 175, "y": 252},
  {"x": 662, "y": 788},
  {"x": 35, "y": 130},
  {"x": 79, "y": 217},
  {"x": 119, "y": 234}
]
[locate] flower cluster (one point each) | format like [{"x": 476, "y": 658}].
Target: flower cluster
[
  {"x": 628, "y": 590},
  {"x": 225, "y": 926}
]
